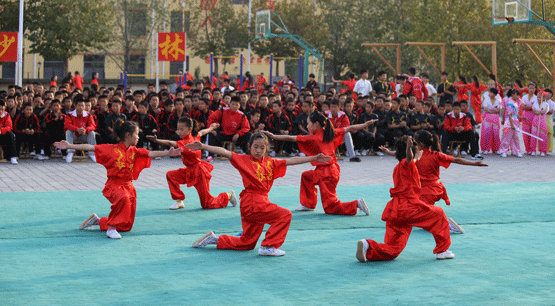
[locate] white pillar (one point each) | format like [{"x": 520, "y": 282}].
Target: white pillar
[{"x": 19, "y": 65}]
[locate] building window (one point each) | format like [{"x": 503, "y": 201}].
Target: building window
[
  {"x": 178, "y": 19},
  {"x": 239, "y": 1},
  {"x": 137, "y": 66},
  {"x": 8, "y": 70},
  {"x": 177, "y": 67},
  {"x": 138, "y": 20},
  {"x": 93, "y": 63},
  {"x": 53, "y": 67}
]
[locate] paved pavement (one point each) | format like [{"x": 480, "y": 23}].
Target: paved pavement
[{"x": 56, "y": 174}]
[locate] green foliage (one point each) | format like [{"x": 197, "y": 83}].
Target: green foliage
[
  {"x": 9, "y": 16},
  {"x": 64, "y": 28}
]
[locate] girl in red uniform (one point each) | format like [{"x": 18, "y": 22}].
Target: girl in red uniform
[
  {"x": 476, "y": 90},
  {"x": 197, "y": 171},
  {"x": 324, "y": 139},
  {"x": 258, "y": 173},
  {"x": 124, "y": 162},
  {"x": 404, "y": 211}
]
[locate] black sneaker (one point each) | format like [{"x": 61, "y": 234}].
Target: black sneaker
[{"x": 355, "y": 159}]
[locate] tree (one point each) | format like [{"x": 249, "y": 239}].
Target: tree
[
  {"x": 64, "y": 28},
  {"x": 9, "y": 16},
  {"x": 218, "y": 28},
  {"x": 134, "y": 29}
]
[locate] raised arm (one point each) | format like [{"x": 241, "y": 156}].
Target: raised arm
[
  {"x": 197, "y": 145},
  {"x": 321, "y": 158},
  {"x": 462, "y": 161},
  {"x": 410, "y": 156},
  {"x": 281, "y": 137},
  {"x": 64, "y": 145},
  {"x": 212, "y": 127},
  {"x": 356, "y": 127},
  {"x": 169, "y": 143}
]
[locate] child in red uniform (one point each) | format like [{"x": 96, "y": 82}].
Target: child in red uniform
[
  {"x": 324, "y": 139},
  {"x": 258, "y": 173},
  {"x": 404, "y": 211},
  {"x": 124, "y": 162},
  {"x": 196, "y": 172}
]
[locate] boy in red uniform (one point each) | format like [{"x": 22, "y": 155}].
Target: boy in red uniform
[
  {"x": 79, "y": 125},
  {"x": 123, "y": 162},
  {"x": 404, "y": 211},
  {"x": 323, "y": 139},
  {"x": 234, "y": 126},
  {"x": 258, "y": 173},
  {"x": 7, "y": 137},
  {"x": 457, "y": 126},
  {"x": 197, "y": 173}
]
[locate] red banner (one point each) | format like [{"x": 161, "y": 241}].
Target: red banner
[
  {"x": 8, "y": 46},
  {"x": 171, "y": 47}
]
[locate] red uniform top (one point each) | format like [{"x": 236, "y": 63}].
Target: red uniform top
[
  {"x": 53, "y": 83},
  {"x": 405, "y": 191},
  {"x": 313, "y": 145},
  {"x": 428, "y": 168},
  {"x": 192, "y": 160},
  {"x": 476, "y": 92},
  {"x": 74, "y": 122},
  {"x": 341, "y": 121},
  {"x": 231, "y": 122},
  {"x": 122, "y": 164},
  {"x": 419, "y": 89},
  {"x": 461, "y": 91},
  {"x": 500, "y": 90},
  {"x": 5, "y": 123},
  {"x": 258, "y": 177},
  {"x": 451, "y": 122},
  {"x": 78, "y": 82},
  {"x": 95, "y": 81}
]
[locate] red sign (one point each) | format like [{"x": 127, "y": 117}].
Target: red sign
[
  {"x": 8, "y": 46},
  {"x": 171, "y": 47}
]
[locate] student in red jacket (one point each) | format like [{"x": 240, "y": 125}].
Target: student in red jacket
[
  {"x": 27, "y": 129},
  {"x": 234, "y": 126},
  {"x": 258, "y": 173},
  {"x": 457, "y": 126},
  {"x": 7, "y": 137},
  {"x": 404, "y": 211},
  {"x": 123, "y": 162},
  {"x": 79, "y": 125}
]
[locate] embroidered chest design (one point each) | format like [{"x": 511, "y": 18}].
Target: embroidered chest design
[{"x": 263, "y": 173}]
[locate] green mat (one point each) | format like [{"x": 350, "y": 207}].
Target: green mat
[{"x": 505, "y": 258}]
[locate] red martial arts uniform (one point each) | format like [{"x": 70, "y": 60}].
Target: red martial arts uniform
[
  {"x": 428, "y": 168},
  {"x": 256, "y": 209},
  {"x": 123, "y": 165},
  {"x": 476, "y": 101},
  {"x": 326, "y": 175},
  {"x": 404, "y": 211},
  {"x": 198, "y": 174}
]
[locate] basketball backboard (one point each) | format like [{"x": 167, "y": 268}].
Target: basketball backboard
[
  {"x": 263, "y": 24},
  {"x": 509, "y": 11}
]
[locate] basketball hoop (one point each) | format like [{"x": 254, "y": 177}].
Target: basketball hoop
[
  {"x": 257, "y": 35},
  {"x": 509, "y": 19}
]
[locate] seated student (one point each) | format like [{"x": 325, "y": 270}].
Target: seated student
[
  {"x": 12, "y": 107},
  {"x": 254, "y": 121},
  {"x": 301, "y": 124},
  {"x": 234, "y": 126},
  {"x": 411, "y": 105},
  {"x": 7, "y": 137},
  {"x": 290, "y": 111},
  {"x": 396, "y": 121},
  {"x": 178, "y": 113},
  {"x": 419, "y": 120},
  {"x": 264, "y": 108},
  {"x": 380, "y": 110},
  {"x": 129, "y": 108},
  {"x": 325, "y": 107},
  {"x": 339, "y": 120},
  {"x": 79, "y": 125},
  {"x": 369, "y": 137},
  {"x": 111, "y": 119},
  {"x": 163, "y": 119},
  {"x": 279, "y": 124},
  {"x": 438, "y": 120},
  {"x": 245, "y": 107},
  {"x": 154, "y": 107},
  {"x": 360, "y": 106},
  {"x": 89, "y": 109},
  {"x": 27, "y": 130},
  {"x": 101, "y": 113},
  {"x": 188, "y": 104},
  {"x": 464, "y": 109},
  {"x": 67, "y": 104},
  {"x": 457, "y": 126},
  {"x": 202, "y": 114},
  {"x": 147, "y": 126},
  {"x": 54, "y": 128}
]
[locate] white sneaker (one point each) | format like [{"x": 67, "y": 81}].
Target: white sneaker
[
  {"x": 542, "y": 154},
  {"x": 177, "y": 205},
  {"x": 454, "y": 227},
  {"x": 365, "y": 152},
  {"x": 357, "y": 153},
  {"x": 362, "y": 206},
  {"x": 304, "y": 208},
  {"x": 92, "y": 157},
  {"x": 69, "y": 157},
  {"x": 270, "y": 251},
  {"x": 485, "y": 152},
  {"x": 205, "y": 240},
  {"x": 89, "y": 222},
  {"x": 301, "y": 154},
  {"x": 113, "y": 234},
  {"x": 463, "y": 153},
  {"x": 455, "y": 152},
  {"x": 362, "y": 248},
  {"x": 477, "y": 156},
  {"x": 273, "y": 154},
  {"x": 45, "y": 157},
  {"x": 533, "y": 153},
  {"x": 445, "y": 255},
  {"x": 519, "y": 155},
  {"x": 13, "y": 161},
  {"x": 38, "y": 157},
  {"x": 504, "y": 154},
  {"x": 32, "y": 153},
  {"x": 232, "y": 198},
  {"x": 380, "y": 153}
]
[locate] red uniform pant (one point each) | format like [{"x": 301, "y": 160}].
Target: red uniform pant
[
  {"x": 202, "y": 185},
  {"x": 327, "y": 184},
  {"x": 253, "y": 223},
  {"x": 397, "y": 232},
  {"x": 124, "y": 204}
]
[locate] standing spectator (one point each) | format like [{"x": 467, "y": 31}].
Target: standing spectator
[
  {"x": 78, "y": 81},
  {"x": 363, "y": 86}
]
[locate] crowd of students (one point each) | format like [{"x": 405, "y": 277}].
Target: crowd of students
[{"x": 38, "y": 117}]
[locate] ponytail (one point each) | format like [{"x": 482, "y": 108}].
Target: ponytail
[
  {"x": 193, "y": 124},
  {"x": 324, "y": 122},
  {"x": 427, "y": 140},
  {"x": 121, "y": 128}
]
